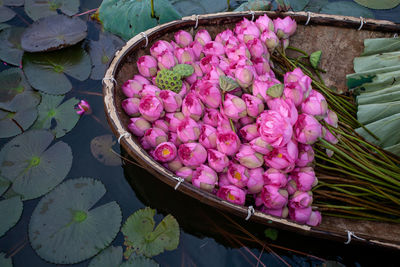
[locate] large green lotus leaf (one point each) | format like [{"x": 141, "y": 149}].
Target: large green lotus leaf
[
  {"x": 386, "y": 130},
  {"x": 37, "y": 9},
  {"x": 46, "y": 71},
  {"x": 111, "y": 256},
  {"x": 298, "y": 5},
  {"x": 315, "y": 5},
  {"x": 32, "y": 166},
  {"x": 53, "y": 33},
  {"x": 388, "y": 94},
  {"x": 5, "y": 262},
  {"x": 4, "y": 185},
  {"x": 380, "y": 45},
  {"x": 6, "y": 13},
  {"x": 254, "y": 5},
  {"x": 347, "y": 9},
  {"x": 395, "y": 149},
  {"x": 51, "y": 110},
  {"x": 381, "y": 82},
  {"x": 376, "y": 61},
  {"x": 139, "y": 261},
  {"x": 15, "y": 92},
  {"x": 379, "y": 4},
  {"x": 101, "y": 52},
  {"x": 101, "y": 147},
  {"x": 10, "y": 49},
  {"x": 10, "y": 210},
  {"x": 66, "y": 229},
  {"x": 166, "y": 12},
  {"x": 357, "y": 79},
  {"x": 190, "y": 7},
  {"x": 4, "y": 26},
  {"x": 13, "y": 123},
  {"x": 140, "y": 235},
  {"x": 373, "y": 112}
]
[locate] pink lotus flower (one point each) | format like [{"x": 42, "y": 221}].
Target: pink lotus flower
[
  {"x": 331, "y": 118},
  {"x": 210, "y": 94},
  {"x": 301, "y": 200},
  {"x": 147, "y": 66},
  {"x": 297, "y": 86},
  {"x": 274, "y": 128},
  {"x": 281, "y": 213},
  {"x": 138, "y": 126},
  {"x": 261, "y": 146},
  {"x": 248, "y": 157},
  {"x": 188, "y": 130},
  {"x": 232, "y": 194},
  {"x": 149, "y": 89},
  {"x": 300, "y": 215},
  {"x": 185, "y": 173},
  {"x": 211, "y": 117},
  {"x": 155, "y": 136},
  {"x": 83, "y": 107},
  {"x": 256, "y": 48},
  {"x": 208, "y": 136},
  {"x": 273, "y": 197},
  {"x": 306, "y": 155},
  {"x": 282, "y": 158},
  {"x": 205, "y": 178},
  {"x": 249, "y": 132},
  {"x": 224, "y": 36},
  {"x": 213, "y": 75},
  {"x": 203, "y": 37},
  {"x": 131, "y": 88},
  {"x": 207, "y": 62},
  {"x": 275, "y": 177},
  {"x": 192, "y": 106},
  {"x": 315, "y": 104},
  {"x": 284, "y": 27},
  {"x": 192, "y": 154},
  {"x": 256, "y": 180},
  {"x": 246, "y": 30},
  {"x": 166, "y": 60},
  {"x": 244, "y": 76},
  {"x": 261, "y": 65},
  {"x": 174, "y": 119},
  {"x": 285, "y": 107},
  {"x": 295, "y": 94},
  {"x": 165, "y": 152},
  {"x": 198, "y": 73},
  {"x": 238, "y": 174},
  {"x": 264, "y": 23},
  {"x": 217, "y": 160},
  {"x": 161, "y": 124},
  {"x": 304, "y": 177},
  {"x": 328, "y": 136},
  {"x": 144, "y": 144},
  {"x": 315, "y": 218},
  {"x": 307, "y": 129},
  {"x": 150, "y": 107},
  {"x": 270, "y": 39},
  {"x": 131, "y": 106},
  {"x": 228, "y": 142},
  {"x": 223, "y": 179},
  {"x": 185, "y": 55},
  {"x": 246, "y": 121},
  {"x": 160, "y": 46},
  {"x": 234, "y": 107},
  {"x": 174, "y": 164},
  {"x": 183, "y": 38},
  {"x": 173, "y": 138},
  {"x": 291, "y": 186},
  {"x": 214, "y": 49},
  {"x": 254, "y": 105},
  {"x": 260, "y": 88},
  {"x": 238, "y": 55},
  {"x": 171, "y": 100}
]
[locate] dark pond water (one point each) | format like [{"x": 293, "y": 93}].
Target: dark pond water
[{"x": 202, "y": 242}]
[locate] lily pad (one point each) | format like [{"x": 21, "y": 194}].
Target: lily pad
[
  {"x": 190, "y": 7},
  {"x": 10, "y": 210},
  {"x": 255, "y": 5},
  {"x": 315, "y": 5},
  {"x": 111, "y": 256},
  {"x": 4, "y": 26},
  {"x": 4, "y": 185},
  {"x": 46, "y": 71},
  {"x": 139, "y": 261},
  {"x": 380, "y": 45},
  {"x": 15, "y": 92},
  {"x": 53, "y": 33},
  {"x": 66, "y": 229},
  {"x": 32, "y": 166},
  {"x": 10, "y": 49},
  {"x": 101, "y": 52},
  {"x": 101, "y": 147},
  {"x": 5, "y": 13},
  {"x": 13, "y": 123},
  {"x": 347, "y": 9},
  {"x": 379, "y": 4},
  {"x": 5, "y": 262},
  {"x": 376, "y": 111},
  {"x": 140, "y": 235},
  {"x": 37, "y": 9},
  {"x": 59, "y": 118}
]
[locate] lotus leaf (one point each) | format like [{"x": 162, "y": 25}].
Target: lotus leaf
[
  {"x": 388, "y": 94},
  {"x": 5, "y": 262},
  {"x": 10, "y": 210},
  {"x": 4, "y": 185},
  {"x": 347, "y": 9},
  {"x": 376, "y": 111},
  {"x": 46, "y": 71},
  {"x": 376, "y": 61},
  {"x": 63, "y": 114},
  {"x": 379, "y": 4},
  {"x": 395, "y": 149},
  {"x": 32, "y": 166},
  {"x": 37, "y": 9},
  {"x": 101, "y": 147},
  {"x": 298, "y": 5},
  {"x": 315, "y": 58},
  {"x": 139, "y": 261},
  {"x": 5, "y": 13},
  {"x": 190, "y": 7},
  {"x": 65, "y": 228},
  {"x": 10, "y": 49},
  {"x": 111, "y": 256},
  {"x": 315, "y": 5},
  {"x": 140, "y": 235},
  {"x": 357, "y": 79},
  {"x": 13, "y": 123},
  {"x": 380, "y": 45},
  {"x": 4, "y": 26},
  {"x": 381, "y": 81},
  {"x": 53, "y": 33},
  {"x": 254, "y": 5}
]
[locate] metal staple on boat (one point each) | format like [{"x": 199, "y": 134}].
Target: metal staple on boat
[
  {"x": 125, "y": 134},
  {"x": 308, "y": 18},
  {"x": 145, "y": 36},
  {"x": 179, "y": 179},
  {"x": 250, "y": 211},
  {"x": 252, "y": 13},
  {"x": 351, "y": 234},
  {"x": 109, "y": 78},
  {"x": 362, "y": 21},
  {"x": 197, "y": 21}
]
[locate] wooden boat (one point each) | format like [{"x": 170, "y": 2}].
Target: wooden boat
[{"x": 340, "y": 39}]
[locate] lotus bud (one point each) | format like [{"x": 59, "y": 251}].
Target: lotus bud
[
  {"x": 228, "y": 142},
  {"x": 284, "y": 43},
  {"x": 281, "y": 213},
  {"x": 202, "y": 36},
  {"x": 165, "y": 152},
  {"x": 161, "y": 124},
  {"x": 192, "y": 106},
  {"x": 247, "y": 120},
  {"x": 304, "y": 177},
  {"x": 131, "y": 88},
  {"x": 224, "y": 36},
  {"x": 205, "y": 178},
  {"x": 185, "y": 55},
  {"x": 147, "y": 66},
  {"x": 150, "y": 107},
  {"x": 188, "y": 130},
  {"x": 248, "y": 157},
  {"x": 273, "y": 197},
  {"x": 315, "y": 218},
  {"x": 307, "y": 129},
  {"x": 174, "y": 164},
  {"x": 232, "y": 194},
  {"x": 256, "y": 180},
  {"x": 173, "y": 138},
  {"x": 261, "y": 87},
  {"x": 238, "y": 175},
  {"x": 254, "y": 105},
  {"x": 184, "y": 89},
  {"x": 223, "y": 179},
  {"x": 270, "y": 39},
  {"x": 306, "y": 155},
  {"x": 149, "y": 89},
  {"x": 291, "y": 186},
  {"x": 246, "y": 30},
  {"x": 144, "y": 144},
  {"x": 171, "y": 100},
  {"x": 207, "y": 62},
  {"x": 274, "y": 128},
  {"x": 249, "y": 132},
  {"x": 297, "y": 86},
  {"x": 261, "y": 146},
  {"x": 217, "y": 160},
  {"x": 174, "y": 119},
  {"x": 284, "y": 28},
  {"x": 315, "y": 104},
  {"x": 211, "y": 117},
  {"x": 198, "y": 73},
  {"x": 192, "y": 154},
  {"x": 282, "y": 158},
  {"x": 214, "y": 49},
  {"x": 264, "y": 23},
  {"x": 210, "y": 94},
  {"x": 328, "y": 136},
  {"x": 301, "y": 200},
  {"x": 256, "y": 48},
  {"x": 285, "y": 107},
  {"x": 261, "y": 65},
  {"x": 160, "y": 46},
  {"x": 166, "y": 60},
  {"x": 208, "y": 136},
  {"x": 234, "y": 107},
  {"x": 197, "y": 50},
  {"x": 185, "y": 173},
  {"x": 300, "y": 215},
  {"x": 131, "y": 106},
  {"x": 244, "y": 76},
  {"x": 155, "y": 136},
  {"x": 183, "y": 38},
  {"x": 275, "y": 177},
  {"x": 138, "y": 126},
  {"x": 331, "y": 118}
]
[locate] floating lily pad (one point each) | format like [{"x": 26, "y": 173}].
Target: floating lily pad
[
  {"x": 46, "y": 71},
  {"x": 5, "y": 262},
  {"x": 142, "y": 238},
  {"x": 10, "y": 210},
  {"x": 66, "y": 229},
  {"x": 51, "y": 110},
  {"x": 139, "y": 261},
  {"x": 15, "y": 92},
  {"x": 10, "y": 49},
  {"x": 298, "y": 5},
  {"x": 37, "y": 9},
  {"x": 254, "y": 5},
  {"x": 347, "y": 9},
  {"x": 4, "y": 185},
  {"x": 32, "y": 166},
  {"x": 111, "y": 256},
  {"x": 379, "y": 4},
  {"x": 101, "y": 147},
  {"x": 101, "y": 52},
  {"x": 13, "y": 123},
  {"x": 315, "y": 5},
  {"x": 6, "y": 13},
  {"x": 190, "y": 7}
]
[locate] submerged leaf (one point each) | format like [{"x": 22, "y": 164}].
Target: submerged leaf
[
  {"x": 111, "y": 256},
  {"x": 53, "y": 33},
  {"x": 32, "y": 166},
  {"x": 64, "y": 115},
  {"x": 101, "y": 147},
  {"x": 10, "y": 49},
  {"x": 37, "y": 9},
  {"x": 46, "y": 71},
  {"x": 5, "y": 262},
  {"x": 271, "y": 233},
  {"x": 380, "y": 45},
  {"x": 376, "y": 111},
  {"x": 139, "y": 261},
  {"x": 315, "y": 5},
  {"x": 10, "y": 210},
  {"x": 190, "y": 7},
  {"x": 347, "y": 9},
  {"x": 13, "y": 123},
  {"x": 66, "y": 229},
  {"x": 262, "y": 5},
  {"x": 379, "y": 4}
]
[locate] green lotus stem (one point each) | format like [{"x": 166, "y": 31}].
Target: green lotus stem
[
  {"x": 340, "y": 207},
  {"x": 361, "y": 216},
  {"x": 229, "y": 3},
  {"x": 152, "y": 8},
  {"x": 337, "y": 186},
  {"x": 232, "y": 126},
  {"x": 298, "y": 50},
  {"x": 319, "y": 77}
]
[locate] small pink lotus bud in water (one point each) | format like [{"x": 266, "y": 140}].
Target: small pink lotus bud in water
[
  {"x": 304, "y": 177},
  {"x": 301, "y": 200},
  {"x": 223, "y": 179},
  {"x": 285, "y": 107},
  {"x": 160, "y": 46},
  {"x": 228, "y": 142},
  {"x": 270, "y": 39},
  {"x": 214, "y": 49},
  {"x": 264, "y": 23},
  {"x": 161, "y": 124},
  {"x": 166, "y": 60},
  {"x": 284, "y": 28},
  {"x": 173, "y": 138},
  {"x": 224, "y": 36},
  {"x": 150, "y": 107},
  {"x": 282, "y": 158},
  {"x": 281, "y": 213},
  {"x": 185, "y": 173},
  {"x": 315, "y": 104},
  {"x": 131, "y": 106},
  {"x": 274, "y": 128},
  {"x": 261, "y": 65},
  {"x": 208, "y": 136},
  {"x": 171, "y": 100},
  {"x": 306, "y": 155},
  {"x": 188, "y": 130},
  {"x": 192, "y": 154},
  {"x": 174, "y": 119},
  {"x": 328, "y": 136},
  {"x": 185, "y": 55},
  {"x": 183, "y": 38},
  {"x": 234, "y": 107},
  {"x": 238, "y": 174},
  {"x": 331, "y": 118},
  {"x": 232, "y": 194},
  {"x": 205, "y": 178},
  {"x": 207, "y": 62},
  {"x": 192, "y": 106},
  {"x": 256, "y": 180},
  {"x": 248, "y": 157},
  {"x": 273, "y": 197},
  {"x": 249, "y": 132},
  {"x": 254, "y": 105},
  {"x": 138, "y": 126},
  {"x": 149, "y": 89},
  {"x": 165, "y": 152},
  {"x": 307, "y": 129},
  {"x": 244, "y": 76},
  {"x": 83, "y": 107},
  {"x": 315, "y": 218},
  {"x": 209, "y": 94},
  {"x": 261, "y": 146},
  {"x": 202, "y": 36},
  {"x": 217, "y": 160},
  {"x": 300, "y": 215},
  {"x": 275, "y": 177},
  {"x": 147, "y": 66},
  {"x": 155, "y": 136},
  {"x": 174, "y": 164}
]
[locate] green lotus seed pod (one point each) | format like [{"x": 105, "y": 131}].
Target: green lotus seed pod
[
  {"x": 184, "y": 70},
  {"x": 169, "y": 80}
]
